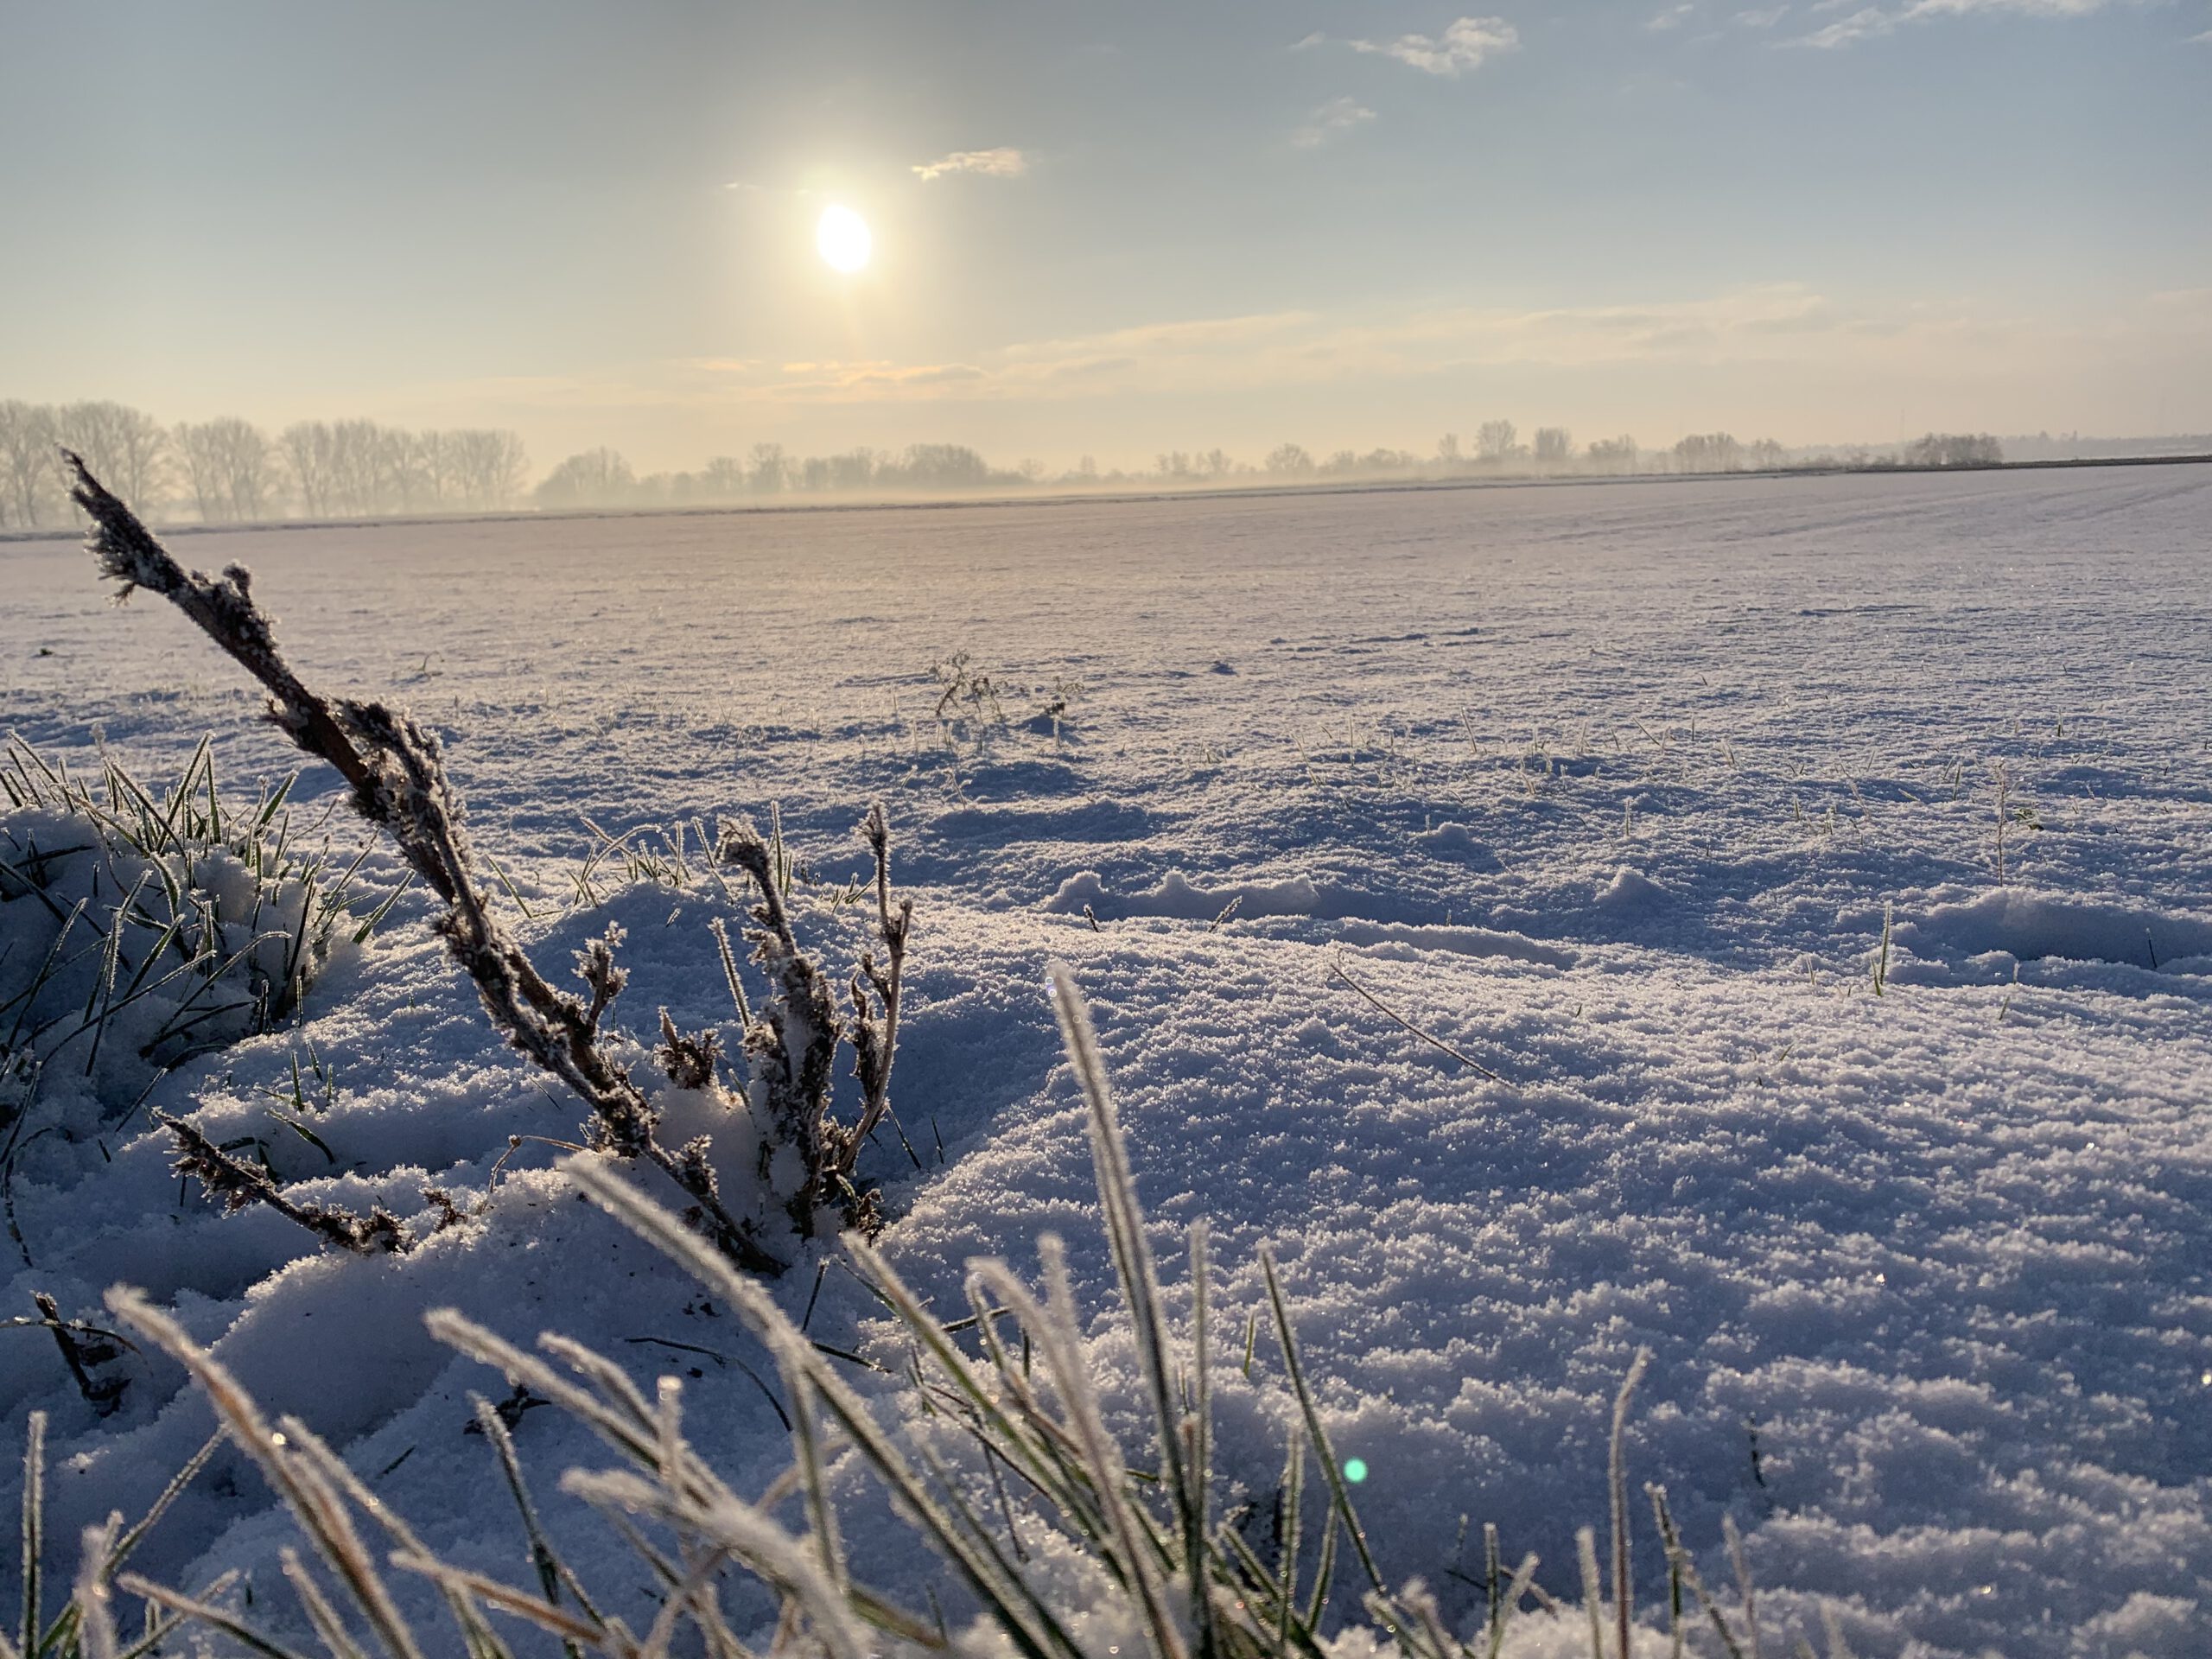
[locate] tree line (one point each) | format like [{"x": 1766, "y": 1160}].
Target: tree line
[
  {"x": 601, "y": 478},
  {"x": 1496, "y": 449},
  {"x": 230, "y": 471}
]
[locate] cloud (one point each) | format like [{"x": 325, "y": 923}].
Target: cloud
[
  {"x": 1777, "y": 322},
  {"x": 1182, "y": 338},
  {"x": 865, "y": 380},
  {"x": 1672, "y": 17},
  {"x": 2024, "y": 8},
  {"x": 1777, "y": 335},
  {"x": 1338, "y": 116},
  {"x": 1003, "y": 162},
  {"x": 1763, "y": 18},
  {"x": 1871, "y": 23},
  {"x": 1865, "y": 24},
  {"x": 1785, "y": 322},
  {"x": 1466, "y": 44}
]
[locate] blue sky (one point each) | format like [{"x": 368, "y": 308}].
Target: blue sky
[{"x": 1172, "y": 226}]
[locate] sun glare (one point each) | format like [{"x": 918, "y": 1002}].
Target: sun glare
[{"x": 843, "y": 238}]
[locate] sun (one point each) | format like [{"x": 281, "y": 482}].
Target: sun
[{"x": 842, "y": 239}]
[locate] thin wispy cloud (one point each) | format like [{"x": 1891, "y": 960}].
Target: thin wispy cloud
[
  {"x": 1761, "y": 17},
  {"x": 1332, "y": 120},
  {"x": 1776, "y": 325},
  {"x": 1466, "y": 44},
  {"x": 1001, "y": 162},
  {"x": 1778, "y": 335},
  {"x": 1672, "y": 17},
  {"x": 1871, "y": 23},
  {"x": 1867, "y": 24}
]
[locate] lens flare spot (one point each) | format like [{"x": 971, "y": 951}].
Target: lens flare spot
[{"x": 1355, "y": 1469}]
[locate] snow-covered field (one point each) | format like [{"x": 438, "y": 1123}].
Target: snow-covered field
[{"x": 1607, "y": 786}]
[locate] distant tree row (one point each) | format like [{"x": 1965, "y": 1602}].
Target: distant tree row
[
  {"x": 228, "y": 470},
  {"x": 1955, "y": 449},
  {"x": 1719, "y": 452},
  {"x": 601, "y": 478},
  {"x": 358, "y": 468},
  {"x": 1551, "y": 452}
]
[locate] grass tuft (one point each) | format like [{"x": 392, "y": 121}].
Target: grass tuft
[
  {"x": 1184, "y": 1583},
  {"x": 139, "y": 929}
]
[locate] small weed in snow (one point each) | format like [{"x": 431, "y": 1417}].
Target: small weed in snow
[{"x": 795, "y": 1164}]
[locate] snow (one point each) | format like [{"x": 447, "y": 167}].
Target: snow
[{"x": 1607, "y": 786}]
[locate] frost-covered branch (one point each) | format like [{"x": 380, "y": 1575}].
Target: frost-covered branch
[
  {"x": 238, "y": 1186},
  {"x": 398, "y": 781},
  {"x": 876, "y": 1035},
  {"x": 792, "y": 1040}
]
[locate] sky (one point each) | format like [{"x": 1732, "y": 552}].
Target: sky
[{"x": 1114, "y": 230}]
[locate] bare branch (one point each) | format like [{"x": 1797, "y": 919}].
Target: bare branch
[
  {"x": 1397, "y": 1018},
  {"x": 398, "y": 782},
  {"x": 238, "y": 1186}
]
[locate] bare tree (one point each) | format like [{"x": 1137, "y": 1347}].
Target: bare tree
[
  {"x": 1708, "y": 452},
  {"x": 854, "y": 470},
  {"x": 1554, "y": 447},
  {"x": 1447, "y": 450},
  {"x": 947, "y": 467},
  {"x": 597, "y": 477},
  {"x": 723, "y": 478},
  {"x": 403, "y": 472},
  {"x": 486, "y": 464},
  {"x": 434, "y": 465},
  {"x": 1955, "y": 449},
  {"x": 767, "y": 473},
  {"x": 26, "y": 460},
  {"x": 1290, "y": 461},
  {"x": 227, "y": 464},
  {"x": 122, "y": 444},
  {"x": 310, "y": 449},
  {"x": 197, "y": 448},
  {"x": 1614, "y": 454},
  {"x": 1495, "y": 439},
  {"x": 356, "y": 466}
]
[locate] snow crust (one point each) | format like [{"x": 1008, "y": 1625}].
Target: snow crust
[{"x": 1605, "y": 787}]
